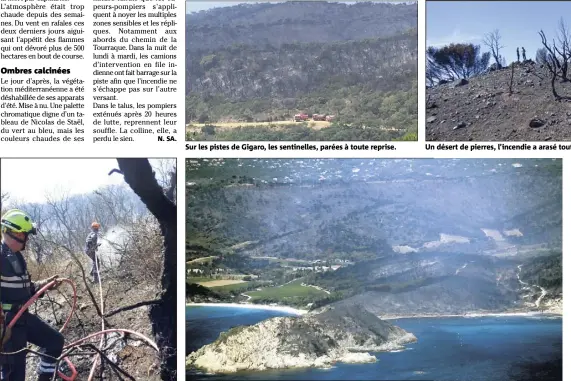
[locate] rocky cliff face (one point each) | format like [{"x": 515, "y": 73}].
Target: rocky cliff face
[{"x": 340, "y": 334}]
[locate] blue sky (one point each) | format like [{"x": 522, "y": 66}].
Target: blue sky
[
  {"x": 57, "y": 178},
  {"x": 196, "y": 6},
  {"x": 517, "y": 21}
]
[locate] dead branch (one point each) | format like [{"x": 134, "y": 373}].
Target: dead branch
[
  {"x": 132, "y": 307},
  {"x": 52, "y": 302},
  {"x": 108, "y": 361},
  {"x": 552, "y": 63},
  {"x": 84, "y": 278},
  {"x": 492, "y": 41}
]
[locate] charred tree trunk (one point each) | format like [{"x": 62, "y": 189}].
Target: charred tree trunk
[
  {"x": 140, "y": 177},
  {"x": 564, "y": 68},
  {"x": 552, "y": 63},
  {"x": 553, "y": 77},
  {"x": 512, "y": 79}
]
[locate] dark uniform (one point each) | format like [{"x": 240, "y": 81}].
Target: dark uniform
[
  {"x": 90, "y": 249},
  {"x": 16, "y": 288}
]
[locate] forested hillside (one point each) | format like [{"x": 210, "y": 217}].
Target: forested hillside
[
  {"x": 267, "y": 62},
  {"x": 391, "y": 234},
  {"x": 311, "y": 210},
  {"x": 275, "y": 24}
]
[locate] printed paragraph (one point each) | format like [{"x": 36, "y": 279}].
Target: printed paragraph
[
  {"x": 134, "y": 71},
  {"x": 48, "y": 109},
  {"x": 36, "y": 31}
]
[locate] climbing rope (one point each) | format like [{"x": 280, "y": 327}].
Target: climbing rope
[{"x": 69, "y": 347}]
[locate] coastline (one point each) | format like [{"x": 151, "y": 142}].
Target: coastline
[
  {"x": 286, "y": 309},
  {"x": 300, "y": 312},
  {"x": 473, "y": 315}
]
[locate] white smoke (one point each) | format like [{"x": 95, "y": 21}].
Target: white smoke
[{"x": 112, "y": 243}]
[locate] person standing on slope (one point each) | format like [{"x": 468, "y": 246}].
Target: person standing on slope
[
  {"x": 16, "y": 288},
  {"x": 91, "y": 247}
]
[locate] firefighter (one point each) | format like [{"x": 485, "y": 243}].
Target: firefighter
[
  {"x": 16, "y": 288},
  {"x": 91, "y": 247}
]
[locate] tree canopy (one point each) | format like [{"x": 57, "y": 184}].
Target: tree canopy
[{"x": 455, "y": 61}]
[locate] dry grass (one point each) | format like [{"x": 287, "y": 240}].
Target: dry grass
[
  {"x": 319, "y": 124},
  {"x": 221, "y": 282}
]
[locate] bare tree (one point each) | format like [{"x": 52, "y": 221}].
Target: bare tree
[
  {"x": 563, "y": 49},
  {"x": 141, "y": 178},
  {"x": 163, "y": 169},
  {"x": 165, "y": 173},
  {"x": 492, "y": 41},
  {"x": 556, "y": 60},
  {"x": 3, "y": 198},
  {"x": 116, "y": 206},
  {"x": 39, "y": 248}
]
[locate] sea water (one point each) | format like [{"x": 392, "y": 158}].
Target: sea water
[{"x": 492, "y": 348}]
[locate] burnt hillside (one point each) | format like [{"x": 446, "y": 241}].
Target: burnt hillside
[
  {"x": 310, "y": 209},
  {"x": 421, "y": 236},
  {"x": 484, "y": 110},
  {"x": 275, "y": 24},
  {"x": 256, "y": 63},
  {"x": 242, "y": 72}
]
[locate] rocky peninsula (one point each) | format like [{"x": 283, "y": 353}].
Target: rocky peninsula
[{"x": 317, "y": 339}]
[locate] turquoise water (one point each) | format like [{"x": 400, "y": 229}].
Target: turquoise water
[{"x": 463, "y": 349}]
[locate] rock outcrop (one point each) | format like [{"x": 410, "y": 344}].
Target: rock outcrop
[
  {"x": 333, "y": 334},
  {"x": 554, "y": 305}
]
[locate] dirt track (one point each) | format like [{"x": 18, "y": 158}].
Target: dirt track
[{"x": 316, "y": 125}]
